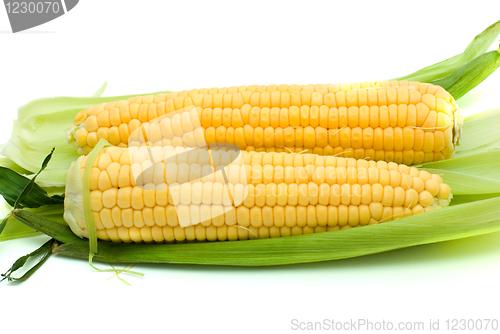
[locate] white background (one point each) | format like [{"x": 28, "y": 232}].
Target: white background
[{"x": 146, "y": 46}]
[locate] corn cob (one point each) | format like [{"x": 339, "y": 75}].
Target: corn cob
[
  {"x": 167, "y": 194},
  {"x": 395, "y": 121}
]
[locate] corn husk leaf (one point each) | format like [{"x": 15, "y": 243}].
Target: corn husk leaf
[
  {"x": 12, "y": 184},
  {"x": 40, "y": 126},
  {"x": 477, "y": 47},
  {"x": 454, "y": 222},
  {"x": 481, "y": 133},
  {"x": 42, "y": 254},
  {"x": 470, "y": 74},
  {"x": 14, "y": 229},
  {"x": 22, "y": 192},
  {"x": 89, "y": 220},
  {"x": 462, "y": 199},
  {"x": 7, "y": 163},
  {"x": 100, "y": 91},
  {"x": 469, "y": 174}
]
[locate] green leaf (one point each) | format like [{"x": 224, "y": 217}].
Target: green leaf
[
  {"x": 41, "y": 125},
  {"x": 7, "y": 163},
  {"x": 483, "y": 164},
  {"x": 60, "y": 232},
  {"x": 469, "y": 174},
  {"x": 101, "y": 90},
  {"x": 44, "y": 251},
  {"x": 482, "y": 42},
  {"x": 15, "y": 229},
  {"x": 4, "y": 223},
  {"x": 481, "y": 133},
  {"x": 31, "y": 112},
  {"x": 89, "y": 219},
  {"x": 31, "y": 184},
  {"x": 13, "y": 184},
  {"x": 28, "y": 147},
  {"x": 470, "y": 74},
  {"x": 25, "y": 192},
  {"x": 459, "y": 221},
  {"x": 477, "y": 47},
  {"x": 467, "y": 184},
  {"x": 462, "y": 199}
]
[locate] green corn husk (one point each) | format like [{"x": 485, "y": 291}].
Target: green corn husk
[
  {"x": 449, "y": 223},
  {"x": 479, "y": 45},
  {"x": 475, "y": 70},
  {"x": 40, "y": 126},
  {"x": 471, "y": 174},
  {"x": 480, "y": 133}
]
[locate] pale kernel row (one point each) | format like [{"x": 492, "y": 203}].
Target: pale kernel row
[
  {"x": 282, "y": 224},
  {"x": 199, "y": 233}
]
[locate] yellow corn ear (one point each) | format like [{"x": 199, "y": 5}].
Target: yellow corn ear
[
  {"x": 394, "y": 121},
  {"x": 176, "y": 194}
]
